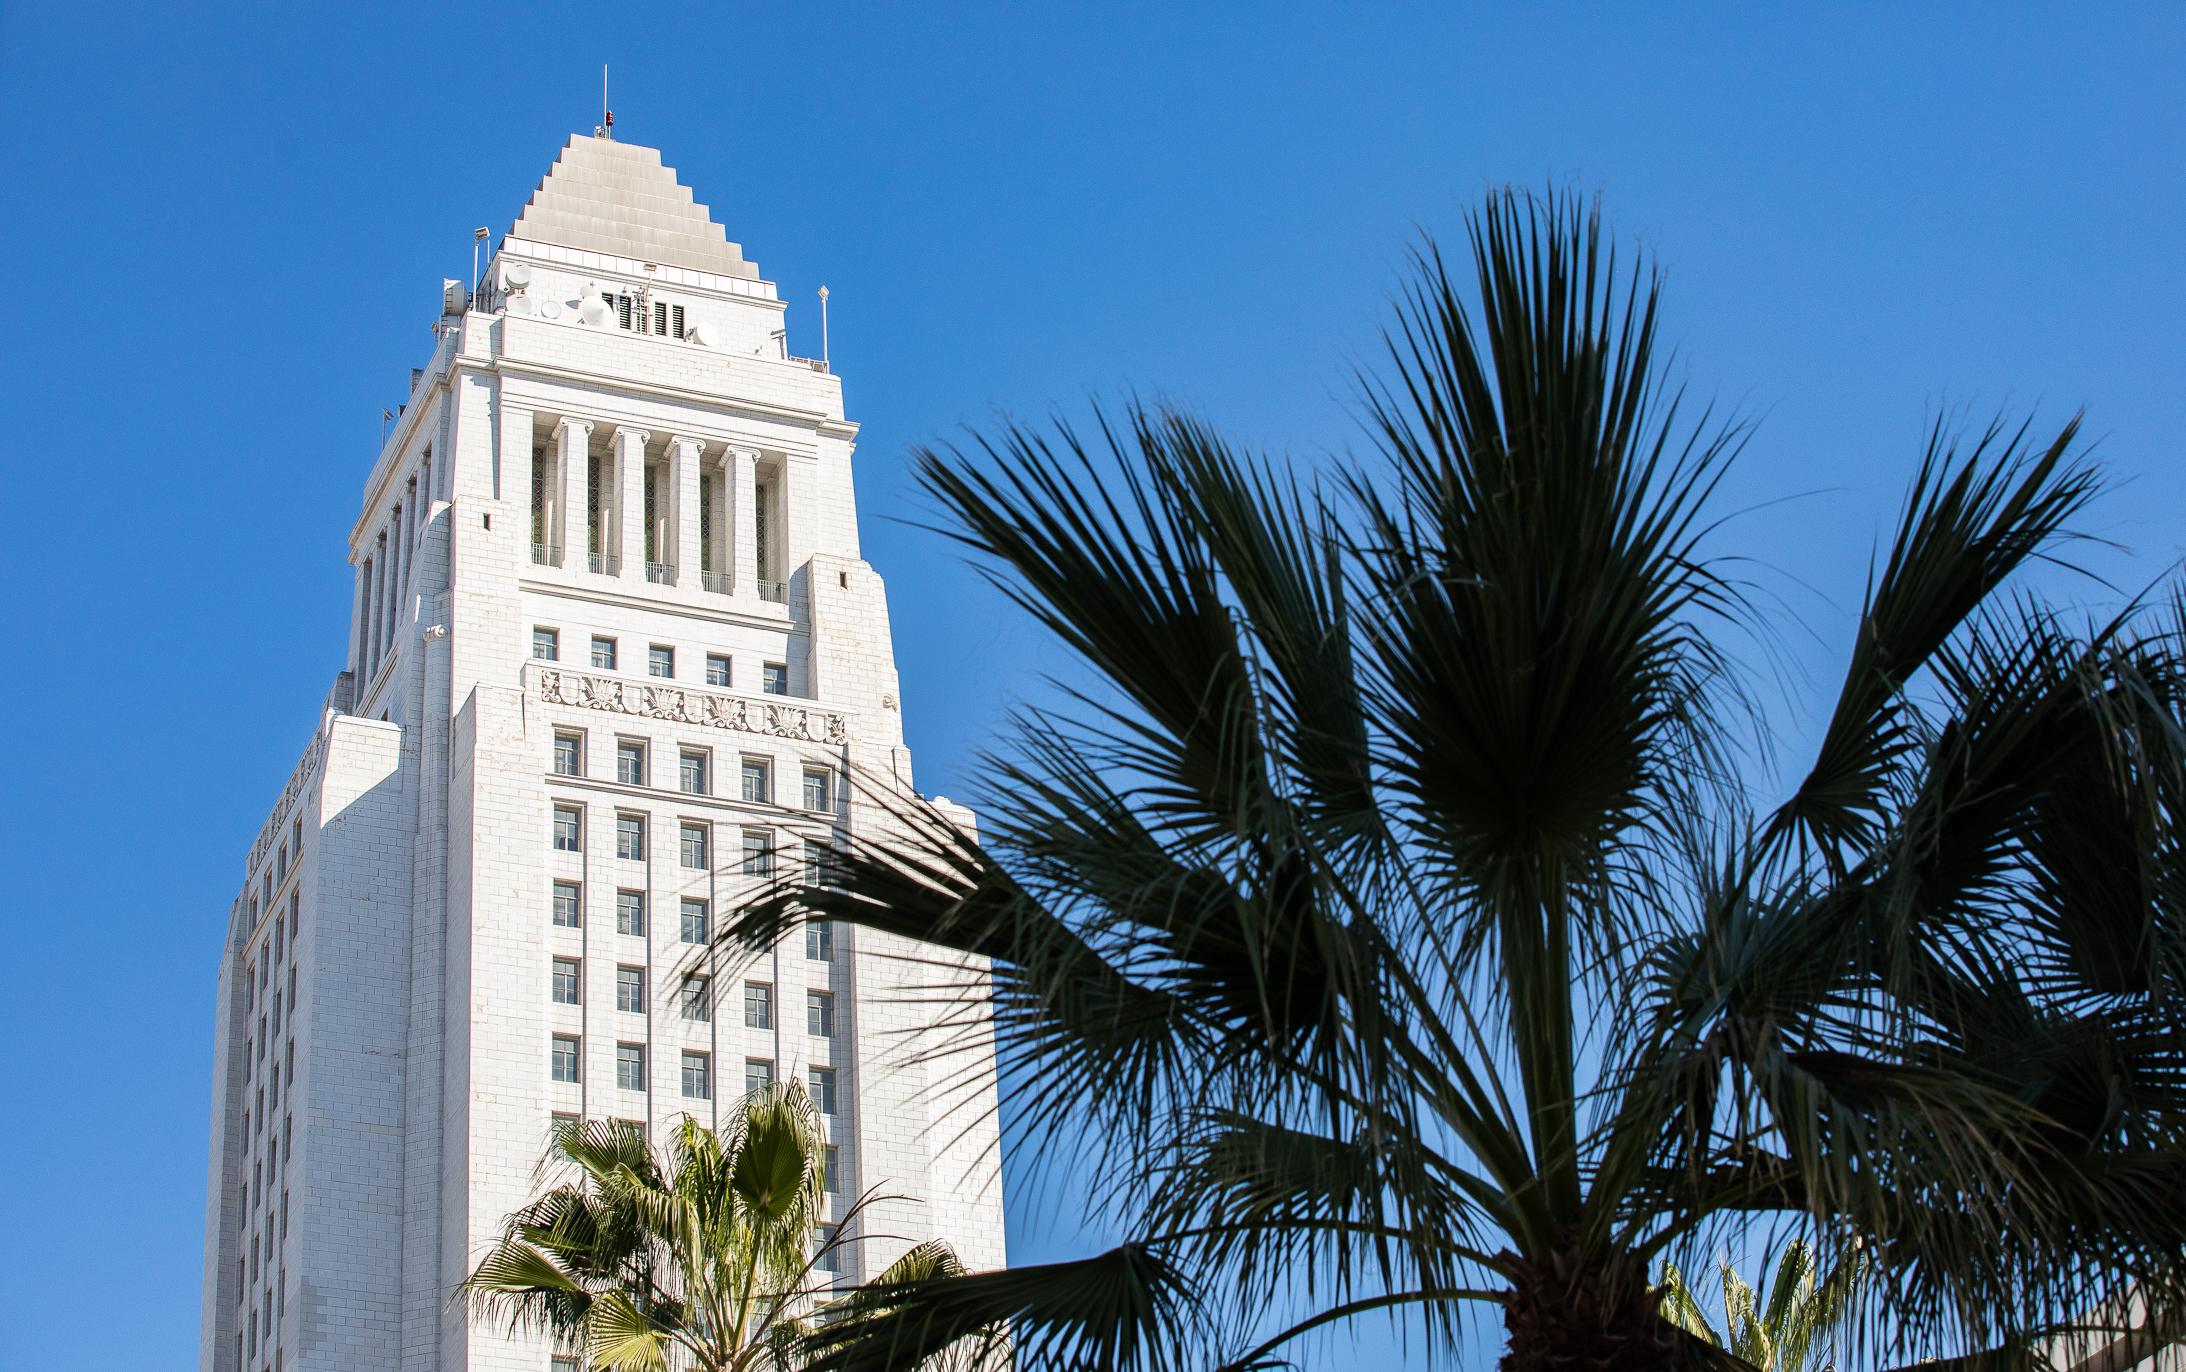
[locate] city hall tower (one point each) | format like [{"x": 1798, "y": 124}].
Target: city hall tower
[{"x": 615, "y": 663}]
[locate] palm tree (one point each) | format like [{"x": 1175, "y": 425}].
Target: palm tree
[
  {"x": 1406, "y": 912},
  {"x": 702, "y": 1258},
  {"x": 1780, "y": 1326}
]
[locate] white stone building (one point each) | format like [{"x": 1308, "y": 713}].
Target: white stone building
[{"x": 615, "y": 656}]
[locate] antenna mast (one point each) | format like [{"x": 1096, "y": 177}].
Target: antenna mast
[
  {"x": 823, "y": 326},
  {"x": 606, "y": 127}
]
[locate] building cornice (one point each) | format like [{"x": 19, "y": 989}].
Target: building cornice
[
  {"x": 817, "y": 420},
  {"x": 778, "y": 617}
]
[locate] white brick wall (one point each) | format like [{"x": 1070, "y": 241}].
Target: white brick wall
[{"x": 421, "y": 1095}]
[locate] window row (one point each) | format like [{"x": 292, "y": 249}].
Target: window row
[
  {"x": 694, "y": 771},
  {"x": 695, "y": 1077},
  {"x": 694, "y": 996},
  {"x": 660, "y": 660},
  {"x": 694, "y": 918},
  {"x": 694, "y": 845}
]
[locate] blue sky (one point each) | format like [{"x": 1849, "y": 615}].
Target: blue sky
[{"x": 227, "y": 228}]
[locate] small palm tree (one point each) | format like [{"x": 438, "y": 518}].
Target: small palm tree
[
  {"x": 1782, "y": 1325},
  {"x": 700, "y": 1259}
]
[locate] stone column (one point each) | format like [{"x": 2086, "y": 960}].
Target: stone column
[
  {"x": 744, "y": 557},
  {"x": 394, "y": 576},
  {"x": 684, "y": 458},
  {"x": 379, "y": 607},
  {"x": 362, "y": 623},
  {"x": 570, "y": 438},
  {"x": 629, "y": 537}
]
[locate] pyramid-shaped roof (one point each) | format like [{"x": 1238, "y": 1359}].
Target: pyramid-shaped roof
[{"x": 618, "y": 198}]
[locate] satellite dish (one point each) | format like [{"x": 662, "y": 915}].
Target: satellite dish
[
  {"x": 588, "y": 290},
  {"x": 592, "y": 311},
  {"x": 550, "y": 309},
  {"x": 521, "y": 304},
  {"x": 516, "y": 276}
]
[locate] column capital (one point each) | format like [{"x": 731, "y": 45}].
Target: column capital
[
  {"x": 683, "y": 444},
  {"x": 630, "y": 433},
  {"x": 567, "y": 424}
]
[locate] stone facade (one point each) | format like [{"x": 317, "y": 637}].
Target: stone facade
[{"x": 614, "y": 654}]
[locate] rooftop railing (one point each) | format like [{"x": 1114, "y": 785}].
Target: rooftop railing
[{"x": 660, "y": 573}]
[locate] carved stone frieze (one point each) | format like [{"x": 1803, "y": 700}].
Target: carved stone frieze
[
  {"x": 684, "y": 705},
  {"x": 297, "y": 780}
]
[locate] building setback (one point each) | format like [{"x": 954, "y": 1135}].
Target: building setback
[{"x": 614, "y": 663}]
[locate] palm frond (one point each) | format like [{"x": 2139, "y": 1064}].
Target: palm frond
[
  {"x": 1970, "y": 522},
  {"x": 1123, "y": 1309}
]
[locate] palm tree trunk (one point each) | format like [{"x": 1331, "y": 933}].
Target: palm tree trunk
[{"x": 1570, "y": 1314}]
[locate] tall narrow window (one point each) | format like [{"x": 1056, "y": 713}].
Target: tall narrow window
[
  {"x": 819, "y": 790},
  {"x": 758, "y": 1005},
  {"x": 630, "y": 762},
  {"x": 831, "y": 1167},
  {"x": 693, "y": 846},
  {"x": 568, "y": 829},
  {"x": 758, "y": 853},
  {"x": 652, "y": 506},
  {"x": 630, "y": 990},
  {"x": 630, "y": 1066},
  {"x": 566, "y": 974},
  {"x": 774, "y": 679},
  {"x": 823, "y": 1089},
  {"x": 546, "y": 644},
  {"x": 696, "y": 997},
  {"x": 762, "y": 494},
  {"x": 691, "y": 771},
  {"x": 565, "y": 1058},
  {"x": 697, "y": 921},
  {"x": 569, "y": 755},
  {"x": 706, "y": 565},
  {"x": 660, "y": 661},
  {"x": 595, "y": 511},
  {"x": 568, "y": 899},
  {"x": 603, "y": 653},
  {"x": 820, "y": 1014},
  {"x": 758, "y": 776},
  {"x": 758, "y": 1074},
  {"x": 698, "y": 1076},
  {"x": 820, "y": 941},
  {"x": 630, "y": 913},
  {"x": 717, "y": 669},
  {"x": 630, "y": 837}
]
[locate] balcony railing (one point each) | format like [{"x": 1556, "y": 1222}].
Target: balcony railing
[
  {"x": 546, "y": 554},
  {"x": 776, "y": 591},
  {"x": 717, "y": 582},
  {"x": 660, "y": 573},
  {"x": 606, "y": 564}
]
